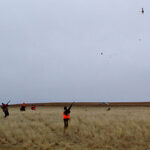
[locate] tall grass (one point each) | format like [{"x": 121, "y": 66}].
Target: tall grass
[{"x": 90, "y": 128}]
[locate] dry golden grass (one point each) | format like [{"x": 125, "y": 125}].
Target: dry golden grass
[{"x": 90, "y": 128}]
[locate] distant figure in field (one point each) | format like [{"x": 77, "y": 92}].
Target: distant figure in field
[
  {"x": 5, "y": 109},
  {"x": 108, "y": 109},
  {"x": 23, "y": 107},
  {"x": 33, "y": 107},
  {"x": 66, "y": 115}
]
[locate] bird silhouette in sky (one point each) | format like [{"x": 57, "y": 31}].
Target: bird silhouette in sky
[{"x": 142, "y": 10}]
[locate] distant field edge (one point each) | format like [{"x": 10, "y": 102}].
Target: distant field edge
[{"x": 92, "y": 104}]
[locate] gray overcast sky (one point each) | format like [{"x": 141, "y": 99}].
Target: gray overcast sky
[{"x": 51, "y": 50}]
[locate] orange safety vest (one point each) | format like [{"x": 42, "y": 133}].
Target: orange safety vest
[{"x": 66, "y": 116}]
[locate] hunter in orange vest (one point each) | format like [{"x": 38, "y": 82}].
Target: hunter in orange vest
[
  {"x": 66, "y": 115},
  {"x": 33, "y": 107}
]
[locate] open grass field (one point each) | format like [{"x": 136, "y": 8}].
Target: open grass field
[{"x": 90, "y": 128}]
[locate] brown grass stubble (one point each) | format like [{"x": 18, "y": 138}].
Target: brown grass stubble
[{"x": 89, "y": 128}]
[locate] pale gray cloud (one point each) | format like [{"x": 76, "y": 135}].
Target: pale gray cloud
[{"x": 51, "y": 50}]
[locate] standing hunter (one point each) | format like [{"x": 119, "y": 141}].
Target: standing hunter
[
  {"x": 5, "y": 109},
  {"x": 23, "y": 107},
  {"x": 66, "y": 115}
]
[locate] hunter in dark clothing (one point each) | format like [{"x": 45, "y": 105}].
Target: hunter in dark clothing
[
  {"x": 5, "y": 109},
  {"x": 108, "y": 109},
  {"x": 23, "y": 107},
  {"x": 66, "y": 115}
]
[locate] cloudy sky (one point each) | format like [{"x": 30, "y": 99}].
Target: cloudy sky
[{"x": 51, "y": 50}]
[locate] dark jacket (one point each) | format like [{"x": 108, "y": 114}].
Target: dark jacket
[{"x": 67, "y": 110}]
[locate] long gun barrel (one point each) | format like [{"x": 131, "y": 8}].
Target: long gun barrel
[
  {"x": 71, "y": 105},
  {"x": 8, "y": 102}
]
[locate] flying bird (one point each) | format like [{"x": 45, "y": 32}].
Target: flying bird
[
  {"x": 98, "y": 52},
  {"x": 142, "y": 10}
]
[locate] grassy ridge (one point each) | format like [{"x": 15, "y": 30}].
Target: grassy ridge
[
  {"x": 89, "y": 128},
  {"x": 91, "y": 104}
]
